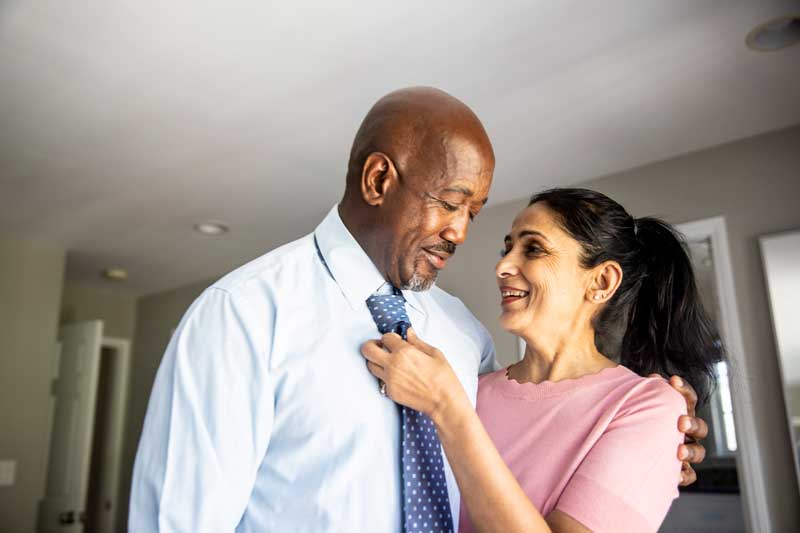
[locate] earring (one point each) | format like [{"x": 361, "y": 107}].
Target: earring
[{"x": 598, "y": 296}]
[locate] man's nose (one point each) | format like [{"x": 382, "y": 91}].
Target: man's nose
[{"x": 456, "y": 231}]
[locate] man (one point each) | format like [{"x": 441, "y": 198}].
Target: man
[{"x": 263, "y": 416}]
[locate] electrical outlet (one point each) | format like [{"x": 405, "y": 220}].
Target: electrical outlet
[{"x": 8, "y": 470}]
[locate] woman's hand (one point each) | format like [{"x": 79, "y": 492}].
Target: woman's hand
[{"x": 416, "y": 374}]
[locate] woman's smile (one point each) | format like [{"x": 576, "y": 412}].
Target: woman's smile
[{"x": 511, "y": 294}]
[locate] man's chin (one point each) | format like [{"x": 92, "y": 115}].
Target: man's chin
[{"x": 420, "y": 283}]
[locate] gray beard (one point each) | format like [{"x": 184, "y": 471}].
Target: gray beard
[{"x": 419, "y": 284}]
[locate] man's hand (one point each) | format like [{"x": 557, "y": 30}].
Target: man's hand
[{"x": 691, "y": 452}]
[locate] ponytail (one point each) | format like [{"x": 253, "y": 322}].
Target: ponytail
[
  {"x": 669, "y": 332},
  {"x": 655, "y": 322}
]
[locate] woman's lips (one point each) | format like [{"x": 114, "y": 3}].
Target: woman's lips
[{"x": 510, "y": 294}]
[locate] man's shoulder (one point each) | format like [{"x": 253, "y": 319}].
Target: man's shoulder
[
  {"x": 456, "y": 309},
  {"x": 292, "y": 257}
]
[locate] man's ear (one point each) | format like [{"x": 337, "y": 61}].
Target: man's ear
[
  {"x": 606, "y": 278},
  {"x": 377, "y": 175}
]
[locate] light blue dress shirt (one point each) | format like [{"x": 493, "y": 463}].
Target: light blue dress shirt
[{"x": 263, "y": 416}]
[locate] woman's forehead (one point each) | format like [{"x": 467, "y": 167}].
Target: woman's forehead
[{"x": 536, "y": 217}]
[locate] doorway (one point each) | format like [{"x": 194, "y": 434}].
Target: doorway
[
  {"x": 89, "y": 395},
  {"x": 104, "y": 466}
]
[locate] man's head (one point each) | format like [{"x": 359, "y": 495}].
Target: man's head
[{"x": 420, "y": 169}]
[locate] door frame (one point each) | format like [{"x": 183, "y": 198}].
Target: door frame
[
  {"x": 748, "y": 460},
  {"x": 122, "y": 349}
]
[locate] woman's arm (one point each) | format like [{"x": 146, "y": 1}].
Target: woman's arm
[{"x": 493, "y": 498}]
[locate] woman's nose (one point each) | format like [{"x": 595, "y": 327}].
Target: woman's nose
[{"x": 506, "y": 267}]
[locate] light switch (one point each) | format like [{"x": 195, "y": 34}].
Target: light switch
[{"x": 8, "y": 470}]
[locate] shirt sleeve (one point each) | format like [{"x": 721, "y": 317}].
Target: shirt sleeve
[
  {"x": 208, "y": 421},
  {"x": 629, "y": 478}
]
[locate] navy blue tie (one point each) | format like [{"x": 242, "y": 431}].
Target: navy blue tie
[{"x": 426, "y": 506}]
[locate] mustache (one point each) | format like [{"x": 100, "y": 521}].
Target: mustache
[{"x": 444, "y": 246}]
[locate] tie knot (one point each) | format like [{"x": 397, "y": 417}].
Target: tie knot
[{"x": 389, "y": 313}]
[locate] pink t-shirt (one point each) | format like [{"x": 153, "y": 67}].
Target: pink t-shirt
[{"x": 601, "y": 449}]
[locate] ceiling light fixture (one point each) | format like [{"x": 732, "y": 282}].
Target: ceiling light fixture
[
  {"x": 115, "y": 274},
  {"x": 211, "y": 227},
  {"x": 775, "y": 34}
]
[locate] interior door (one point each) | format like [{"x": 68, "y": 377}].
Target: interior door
[{"x": 74, "y": 390}]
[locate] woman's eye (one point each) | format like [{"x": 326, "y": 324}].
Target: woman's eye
[
  {"x": 533, "y": 249},
  {"x": 504, "y": 251}
]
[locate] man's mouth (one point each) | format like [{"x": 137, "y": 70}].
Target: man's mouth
[
  {"x": 511, "y": 294},
  {"x": 436, "y": 258}
]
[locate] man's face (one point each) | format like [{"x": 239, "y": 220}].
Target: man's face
[{"x": 428, "y": 215}]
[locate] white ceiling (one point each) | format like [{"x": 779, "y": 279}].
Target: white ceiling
[{"x": 124, "y": 123}]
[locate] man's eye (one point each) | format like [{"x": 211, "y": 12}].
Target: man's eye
[{"x": 448, "y": 206}]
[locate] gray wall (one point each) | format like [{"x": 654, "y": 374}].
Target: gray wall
[
  {"x": 117, "y": 310},
  {"x": 30, "y": 289},
  {"x": 755, "y": 185}
]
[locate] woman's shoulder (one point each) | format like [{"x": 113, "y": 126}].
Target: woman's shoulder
[
  {"x": 653, "y": 395},
  {"x": 487, "y": 379}
]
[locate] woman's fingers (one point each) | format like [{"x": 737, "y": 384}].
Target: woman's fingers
[
  {"x": 419, "y": 343},
  {"x": 373, "y": 352},
  {"x": 392, "y": 342},
  {"x": 377, "y": 371}
]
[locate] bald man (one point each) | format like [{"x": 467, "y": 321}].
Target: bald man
[{"x": 263, "y": 416}]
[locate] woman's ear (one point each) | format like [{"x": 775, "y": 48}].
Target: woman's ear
[
  {"x": 377, "y": 175},
  {"x": 606, "y": 278}
]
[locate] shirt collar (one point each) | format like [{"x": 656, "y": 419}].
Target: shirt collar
[{"x": 350, "y": 267}]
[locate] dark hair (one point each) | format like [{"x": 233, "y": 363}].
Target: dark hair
[{"x": 655, "y": 322}]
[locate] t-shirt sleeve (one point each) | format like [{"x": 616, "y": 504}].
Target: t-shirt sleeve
[{"x": 629, "y": 478}]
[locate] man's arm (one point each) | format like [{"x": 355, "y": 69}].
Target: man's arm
[{"x": 208, "y": 421}]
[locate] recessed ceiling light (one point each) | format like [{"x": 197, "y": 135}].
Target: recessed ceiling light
[
  {"x": 115, "y": 274},
  {"x": 776, "y": 34},
  {"x": 211, "y": 228}
]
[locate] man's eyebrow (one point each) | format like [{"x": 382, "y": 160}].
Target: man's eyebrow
[
  {"x": 466, "y": 192},
  {"x": 459, "y": 190}
]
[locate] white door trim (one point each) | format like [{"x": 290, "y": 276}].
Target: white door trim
[{"x": 748, "y": 460}]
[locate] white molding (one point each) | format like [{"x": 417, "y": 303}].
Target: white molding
[
  {"x": 791, "y": 421},
  {"x": 748, "y": 460}
]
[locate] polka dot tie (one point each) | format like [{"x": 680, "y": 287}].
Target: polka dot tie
[{"x": 426, "y": 506}]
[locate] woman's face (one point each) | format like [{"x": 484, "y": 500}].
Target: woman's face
[{"x": 543, "y": 286}]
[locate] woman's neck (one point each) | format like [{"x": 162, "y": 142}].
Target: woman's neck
[{"x": 556, "y": 359}]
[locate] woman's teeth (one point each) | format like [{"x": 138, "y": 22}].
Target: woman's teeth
[{"x": 507, "y": 294}]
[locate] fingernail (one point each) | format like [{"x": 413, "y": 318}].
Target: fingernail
[
  {"x": 683, "y": 454},
  {"x": 679, "y": 382},
  {"x": 685, "y": 425}
]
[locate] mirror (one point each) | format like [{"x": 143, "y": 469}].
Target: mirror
[{"x": 781, "y": 257}]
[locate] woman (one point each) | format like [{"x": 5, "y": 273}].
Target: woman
[{"x": 572, "y": 438}]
